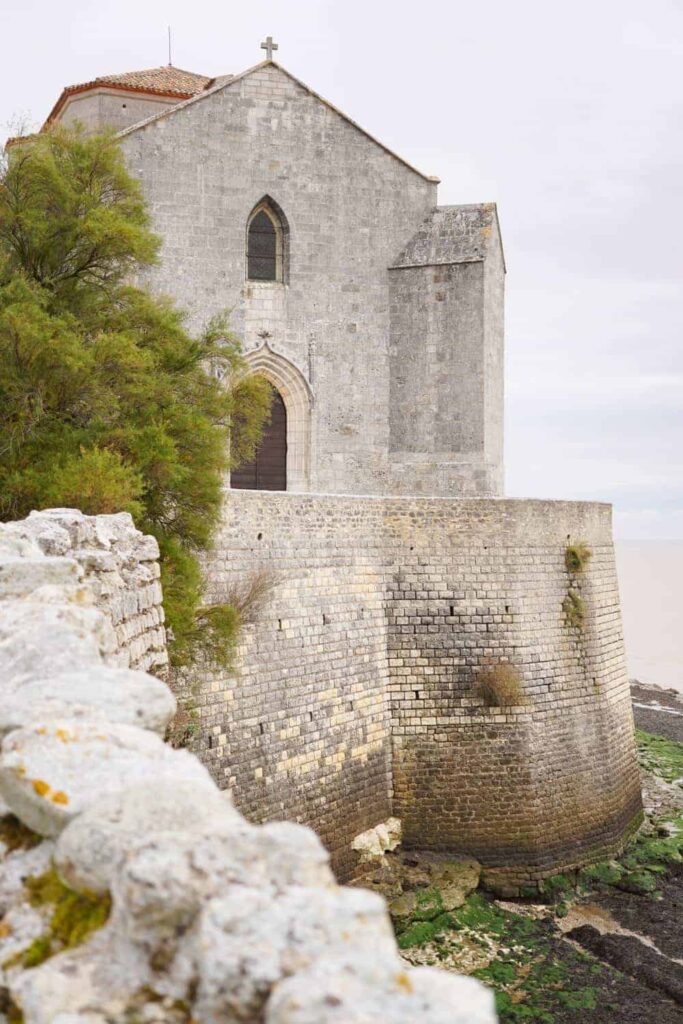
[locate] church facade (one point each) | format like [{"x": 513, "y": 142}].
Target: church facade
[
  {"x": 376, "y": 314},
  {"x": 401, "y": 582}
]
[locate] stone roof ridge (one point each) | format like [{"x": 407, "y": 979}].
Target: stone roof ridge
[
  {"x": 452, "y": 234},
  {"x": 165, "y": 80},
  {"x": 222, "y": 83}
]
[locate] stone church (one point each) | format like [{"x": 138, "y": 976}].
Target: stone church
[
  {"x": 402, "y": 581},
  {"x": 376, "y": 314}
]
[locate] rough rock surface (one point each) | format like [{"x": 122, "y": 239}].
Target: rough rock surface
[
  {"x": 358, "y": 991},
  {"x": 91, "y": 848},
  {"x": 212, "y": 918},
  {"x": 52, "y": 771},
  {"x": 118, "y": 695}
]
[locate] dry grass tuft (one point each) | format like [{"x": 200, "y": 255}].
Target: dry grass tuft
[
  {"x": 247, "y": 596},
  {"x": 499, "y": 685}
]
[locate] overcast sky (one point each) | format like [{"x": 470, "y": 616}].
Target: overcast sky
[{"x": 568, "y": 116}]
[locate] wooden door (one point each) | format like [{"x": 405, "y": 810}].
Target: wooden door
[{"x": 268, "y": 470}]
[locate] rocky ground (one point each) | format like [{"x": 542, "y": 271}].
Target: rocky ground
[{"x": 605, "y": 944}]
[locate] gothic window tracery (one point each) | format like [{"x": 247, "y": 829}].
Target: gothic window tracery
[{"x": 265, "y": 244}]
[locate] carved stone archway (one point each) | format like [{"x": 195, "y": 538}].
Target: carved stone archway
[{"x": 298, "y": 398}]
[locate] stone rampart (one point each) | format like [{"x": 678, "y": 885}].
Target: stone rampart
[
  {"x": 356, "y": 694},
  {"x": 130, "y": 887},
  {"x": 122, "y": 569}
]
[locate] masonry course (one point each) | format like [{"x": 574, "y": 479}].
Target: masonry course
[
  {"x": 199, "y": 914},
  {"x": 354, "y": 696}
]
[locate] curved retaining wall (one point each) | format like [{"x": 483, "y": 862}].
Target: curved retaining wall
[
  {"x": 355, "y": 694},
  {"x": 199, "y": 915}
]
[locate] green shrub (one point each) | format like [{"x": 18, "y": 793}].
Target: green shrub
[{"x": 107, "y": 403}]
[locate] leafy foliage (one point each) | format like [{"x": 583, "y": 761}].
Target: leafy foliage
[{"x": 107, "y": 403}]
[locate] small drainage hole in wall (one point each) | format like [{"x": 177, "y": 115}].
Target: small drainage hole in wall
[
  {"x": 259, "y": 536},
  {"x": 417, "y": 694},
  {"x": 261, "y": 728}
]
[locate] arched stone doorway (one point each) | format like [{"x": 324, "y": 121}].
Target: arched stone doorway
[
  {"x": 268, "y": 469},
  {"x": 294, "y": 391}
]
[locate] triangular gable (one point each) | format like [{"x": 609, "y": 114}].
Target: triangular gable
[{"x": 223, "y": 84}]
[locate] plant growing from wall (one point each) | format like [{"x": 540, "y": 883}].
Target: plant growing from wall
[
  {"x": 107, "y": 403},
  {"x": 574, "y": 608},
  {"x": 499, "y": 685},
  {"x": 217, "y": 633},
  {"x": 576, "y": 557}
]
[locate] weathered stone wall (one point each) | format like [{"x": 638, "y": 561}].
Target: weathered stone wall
[
  {"x": 102, "y": 108},
  {"x": 351, "y": 207},
  {"x": 199, "y": 915},
  {"x": 121, "y": 566},
  {"x": 355, "y": 692}
]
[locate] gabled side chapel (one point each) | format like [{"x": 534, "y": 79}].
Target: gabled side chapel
[{"x": 376, "y": 314}]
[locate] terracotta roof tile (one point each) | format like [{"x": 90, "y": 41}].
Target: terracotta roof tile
[{"x": 163, "y": 81}]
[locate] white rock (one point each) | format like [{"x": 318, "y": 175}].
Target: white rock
[
  {"x": 14, "y": 545},
  {"x": 100, "y": 976},
  {"x": 375, "y": 842},
  {"x": 50, "y": 772},
  {"x": 166, "y": 878},
  {"x": 20, "y": 577},
  {"x": 19, "y": 865},
  {"x": 93, "y": 845},
  {"x": 250, "y": 939},
  {"x": 37, "y": 638},
  {"x": 21, "y": 924},
  {"x": 376, "y": 990},
  {"x": 42, "y": 533},
  {"x": 114, "y": 694},
  {"x": 26, "y": 654}
]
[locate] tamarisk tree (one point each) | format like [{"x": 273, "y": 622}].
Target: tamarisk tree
[{"x": 107, "y": 402}]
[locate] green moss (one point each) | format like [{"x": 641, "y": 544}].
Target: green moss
[
  {"x": 584, "y": 999},
  {"x": 603, "y": 874},
  {"x": 417, "y": 934},
  {"x": 557, "y": 886},
  {"x": 660, "y": 756},
  {"x": 74, "y": 917},
  {"x": 15, "y": 835},
  {"x": 428, "y": 904},
  {"x": 577, "y": 557}
]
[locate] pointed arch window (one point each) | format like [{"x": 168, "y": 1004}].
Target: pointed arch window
[{"x": 265, "y": 244}]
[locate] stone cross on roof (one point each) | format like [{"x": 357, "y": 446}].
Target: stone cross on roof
[{"x": 269, "y": 46}]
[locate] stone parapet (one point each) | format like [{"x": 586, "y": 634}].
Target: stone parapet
[
  {"x": 357, "y": 690},
  {"x": 194, "y": 914}
]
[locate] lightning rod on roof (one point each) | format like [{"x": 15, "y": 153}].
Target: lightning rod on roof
[{"x": 170, "y": 62}]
